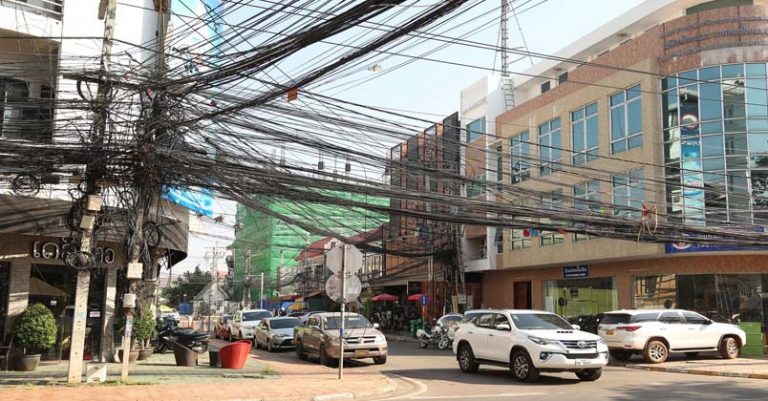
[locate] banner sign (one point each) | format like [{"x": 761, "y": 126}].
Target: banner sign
[{"x": 576, "y": 271}]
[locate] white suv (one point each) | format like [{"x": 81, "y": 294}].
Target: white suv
[
  {"x": 528, "y": 342},
  {"x": 656, "y": 333}
]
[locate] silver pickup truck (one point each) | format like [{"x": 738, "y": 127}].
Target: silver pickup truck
[{"x": 319, "y": 337}]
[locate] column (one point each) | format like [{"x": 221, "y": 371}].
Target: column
[{"x": 108, "y": 317}]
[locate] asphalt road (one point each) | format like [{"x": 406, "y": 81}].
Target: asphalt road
[{"x": 434, "y": 376}]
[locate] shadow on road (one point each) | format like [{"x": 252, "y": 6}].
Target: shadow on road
[
  {"x": 485, "y": 376},
  {"x": 722, "y": 390}
]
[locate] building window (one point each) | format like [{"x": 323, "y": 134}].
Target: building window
[
  {"x": 520, "y": 154},
  {"x": 562, "y": 78},
  {"x": 499, "y": 163},
  {"x": 476, "y": 188},
  {"x": 549, "y": 146},
  {"x": 552, "y": 202},
  {"x": 586, "y": 197},
  {"x": 519, "y": 240},
  {"x": 574, "y": 298},
  {"x": 584, "y": 134},
  {"x": 475, "y": 129},
  {"x": 499, "y": 240},
  {"x": 628, "y": 194},
  {"x": 545, "y": 87},
  {"x": 626, "y": 120}
]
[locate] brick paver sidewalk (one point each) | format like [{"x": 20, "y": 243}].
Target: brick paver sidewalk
[
  {"x": 753, "y": 368},
  {"x": 294, "y": 380}
]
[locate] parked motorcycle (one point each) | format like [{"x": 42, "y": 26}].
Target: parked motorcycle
[
  {"x": 168, "y": 331},
  {"x": 437, "y": 336}
]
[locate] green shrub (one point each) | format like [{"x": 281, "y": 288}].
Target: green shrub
[
  {"x": 144, "y": 328},
  {"x": 35, "y": 329}
]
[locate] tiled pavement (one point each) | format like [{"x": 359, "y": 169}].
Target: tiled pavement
[{"x": 753, "y": 368}]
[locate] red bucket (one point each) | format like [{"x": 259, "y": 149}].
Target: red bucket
[{"x": 233, "y": 356}]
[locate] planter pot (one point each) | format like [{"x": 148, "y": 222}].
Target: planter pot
[
  {"x": 27, "y": 362},
  {"x": 145, "y": 353},
  {"x": 132, "y": 356}
]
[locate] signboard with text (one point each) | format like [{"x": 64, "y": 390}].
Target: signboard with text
[{"x": 576, "y": 271}]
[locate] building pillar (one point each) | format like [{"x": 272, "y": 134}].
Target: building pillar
[
  {"x": 18, "y": 291},
  {"x": 108, "y": 318}
]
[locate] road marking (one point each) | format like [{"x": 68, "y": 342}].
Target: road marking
[
  {"x": 430, "y": 397},
  {"x": 422, "y": 389}
]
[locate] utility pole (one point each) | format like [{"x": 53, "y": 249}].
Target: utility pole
[
  {"x": 261, "y": 292},
  {"x": 342, "y": 309},
  {"x": 246, "y": 286},
  {"x": 93, "y": 192},
  {"x": 214, "y": 283}
]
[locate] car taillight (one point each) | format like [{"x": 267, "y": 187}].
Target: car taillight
[{"x": 628, "y": 328}]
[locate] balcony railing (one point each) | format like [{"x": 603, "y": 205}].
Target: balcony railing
[{"x": 48, "y": 8}]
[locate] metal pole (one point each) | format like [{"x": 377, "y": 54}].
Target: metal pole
[
  {"x": 214, "y": 267},
  {"x": 343, "y": 306},
  {"x": 261, "y": 292}
]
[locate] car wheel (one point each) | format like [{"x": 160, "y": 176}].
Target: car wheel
[
  {"x": 620, "y": 355},
  {"x": 467, "y": 362},
  {"x": 656, "y": 352},
  {"x": 691, "y": 354},
  {"x": 229, "y": 336},
  {"x": 380, "y": 360},
  {"x": 423, "y": 344},
  {"x": 729, "y": 348},
  {"x": 300, "y": 352},
  {"x": 256, "y": 342},
  {"x": 589, "y": 375},
  {"x": 522, "y": 367}
]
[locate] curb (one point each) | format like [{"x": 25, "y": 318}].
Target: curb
[
  {"x": 386, "y": 389},
  {"x": 698, "y": 372},
  {"x": 402, "y": 339}
]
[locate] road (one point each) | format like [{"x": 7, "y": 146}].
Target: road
[{"x": 432, "y": 375}]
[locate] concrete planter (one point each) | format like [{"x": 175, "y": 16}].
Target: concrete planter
[
  {"x": 27, "y": 362},
  {"x": 145, "y": 353}
]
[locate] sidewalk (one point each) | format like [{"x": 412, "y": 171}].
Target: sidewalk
[
  {"x": 752, "y": 368},
  {"x": 159, "y": 379},
  {"x": 401, "y": 337}
]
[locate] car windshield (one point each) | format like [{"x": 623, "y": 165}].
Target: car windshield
[
  {"x": 539, "y": 321},
  {"x": 249, "y": 316},
  {"x": 284, "y": 323},
  {"x": 350, "y": 322}
]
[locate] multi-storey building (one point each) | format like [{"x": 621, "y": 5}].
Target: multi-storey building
[{"x": 662, "y": 109}]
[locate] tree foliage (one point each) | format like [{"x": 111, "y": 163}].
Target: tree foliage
[
  {"x": 190, "y": 284},
  {"x": 35, "y": 329}
]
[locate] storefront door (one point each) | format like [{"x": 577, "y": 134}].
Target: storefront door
[{"x": 522, "y": 294}]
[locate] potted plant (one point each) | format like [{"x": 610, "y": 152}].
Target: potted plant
[
  {"x": 144, "y": 331},
  {"x": 34, "y": 332}
]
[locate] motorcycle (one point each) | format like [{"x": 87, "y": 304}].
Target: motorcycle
[
  {"x": 169, "y": 332},
  {"x": 438, "y": 336}
]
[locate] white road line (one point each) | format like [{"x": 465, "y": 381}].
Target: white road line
[
  {"x": 422, "y": 389},
  {"x": 431, "y": 397}
]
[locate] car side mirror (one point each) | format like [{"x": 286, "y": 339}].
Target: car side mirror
[
  {"x": 576, "y": 327},
  {"x": 708, "y": 321},
  {"x": 503, "y": 327},
  {"x": 376, "y": 326}
]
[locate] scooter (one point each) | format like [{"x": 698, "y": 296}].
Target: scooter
[
  {"x": 168, "y": 332},
  {"x": 438, "y": 336}
]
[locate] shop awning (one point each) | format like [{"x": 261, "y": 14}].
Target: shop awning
[
  {"x": 415, "y": 297},
  {"x": 296, "y": 306},
  {"x": 286, "y": 305},
  {"x": 383, "y": 298}
]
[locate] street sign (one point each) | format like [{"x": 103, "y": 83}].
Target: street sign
[
  {"x": 353, "y": 287},
  {"x": 424, "y": 300},
  {"x": 353, "y": 263}
]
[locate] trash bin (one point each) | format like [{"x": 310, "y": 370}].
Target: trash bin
[
  {"x": 234, "y": 355},
  {"x": 184, "y": 356},
  {"x": 415, "y": 325},
  {"x": 213, "y": 358}
]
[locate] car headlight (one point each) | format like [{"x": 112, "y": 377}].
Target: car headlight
[
  {"x": 541, "y": 341},
  {"x": 381, "y": 339},
  {"x": 600, "y": 341}
]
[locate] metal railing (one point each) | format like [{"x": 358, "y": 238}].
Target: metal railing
[{"x": 48, "y": 8}]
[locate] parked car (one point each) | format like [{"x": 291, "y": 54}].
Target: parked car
[
  {"x": 275, "y": 333},
  {"x": 528, "y": 342},
  {"x": 320, "y": 338},
  {"x": 657, "y": 333},
  {"x": 221, "y": 328},
  {"x": 244, "y": 322},
  {"x": 305, "y": 316}
]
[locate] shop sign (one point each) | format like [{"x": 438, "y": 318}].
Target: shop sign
[
  {"x": 576, "y": 271},
  {"x": 52, "y": 250},
  {"x": 687, "y": 247}
]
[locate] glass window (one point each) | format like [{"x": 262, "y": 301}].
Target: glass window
[
  {"x": 627, "y": 119},
  {"x": 586, "y": 196},
  {"x": 584, "y": 134},
  {"x": 484, "y": 320},
  {"x": 644, "y": 317},
  {"x": 499, "y": 163},
  {"x": 756, "y": 70},
  {"x": 615, "y": 318},
  {"x": 499, "y": 319},
  {"x": 757, "y": 106},
  {"x": 477, "y": 187},
  {"x": 580, "y": 297},
  {"x": 628, "y": 194},
  {"x": 694, "y": 318},
  {"x": 540, "y": 321},
  {"x": 520, "y": 156},
  {"x": 554, "y": 202},
  {"x": 519, "y": 240},
  {"x": 654, "y": 292},
  {"x": 475, "y": 129},
  {"x": 670, "y": 317},
  {"x": 549, "y": 146}
]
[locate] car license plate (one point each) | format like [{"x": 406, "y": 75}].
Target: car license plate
[
  {"x": 361, "y": 352},
  {"x": 582, "y": 362},
  {"x": 609, "y": 332}
]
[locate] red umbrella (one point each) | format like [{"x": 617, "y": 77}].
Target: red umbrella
[
  {"x": 384, "y": 298},
  {"x": 415, "y": 297}
]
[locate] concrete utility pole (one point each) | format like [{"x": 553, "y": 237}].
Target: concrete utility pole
[
  {"x": 214, "y": 281},
  {"x": 93, "y": 192},
  {"x": 261, "y": 292},
  {"x": 342, "y": 309},
  {"x": 246, "y": 286}
]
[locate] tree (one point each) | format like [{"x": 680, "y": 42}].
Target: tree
[{"x": 184, "y": 289}]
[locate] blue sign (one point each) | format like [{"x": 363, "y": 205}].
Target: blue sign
[
  {"x": 577, "y": 271},
  {"x": 199, "y": 201},
  {"x": 424, "y": 300},
  {"x": 687, "y": 247}
]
